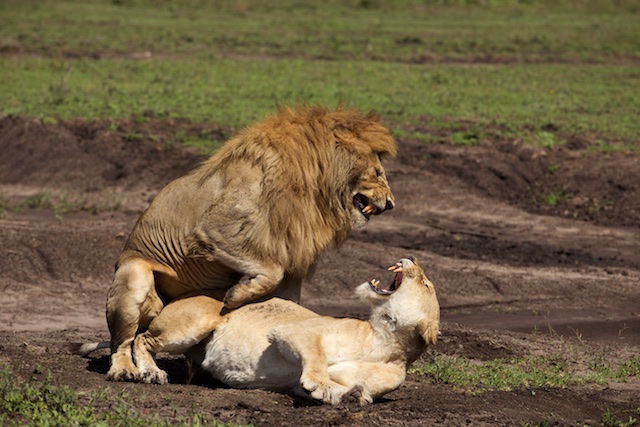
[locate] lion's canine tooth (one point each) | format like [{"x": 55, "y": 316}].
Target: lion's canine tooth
[{"x": 375, "y": 283}]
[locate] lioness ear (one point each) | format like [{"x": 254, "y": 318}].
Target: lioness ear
[{"x": 429, "y": 331}]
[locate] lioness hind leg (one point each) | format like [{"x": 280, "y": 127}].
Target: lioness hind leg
[
  {"x": 181, "y": 325},
  {"x": 367, "y": 380},
  {"x": 131, "y": 298}
]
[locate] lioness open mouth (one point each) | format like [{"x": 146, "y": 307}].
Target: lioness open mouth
[
  {"x": 393, "y": 286},
  {"x": 366, "y": 208}
]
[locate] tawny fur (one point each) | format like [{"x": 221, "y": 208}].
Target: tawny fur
[
  {"x": 279, "y": 345},
  {"x": 250, "y": 222}
]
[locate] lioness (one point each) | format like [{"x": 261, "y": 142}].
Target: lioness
[
  {"x": 250, "y": 222},
  {"x": 279, "y": 345}
]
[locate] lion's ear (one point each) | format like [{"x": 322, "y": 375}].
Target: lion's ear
[{"x": 342, "y": 133}]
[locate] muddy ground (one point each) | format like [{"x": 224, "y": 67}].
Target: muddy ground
[{"x": 516, "y": 273}]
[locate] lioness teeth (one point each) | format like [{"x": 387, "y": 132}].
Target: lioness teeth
[
  {"x": 375, "y": 283},
  {"x": 368, "y": 209},
  {"x": 397, "y": 268}
]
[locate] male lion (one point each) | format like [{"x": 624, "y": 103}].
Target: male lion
[
  {"x": 279, "y": 345},
  {"x": 250, "y": 222}
]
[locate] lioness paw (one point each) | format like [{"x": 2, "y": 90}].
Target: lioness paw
[
  {"x": 357, "y": 394},
  {"x": 327, "y": 393},
  {"x": 309, "y": 385}
]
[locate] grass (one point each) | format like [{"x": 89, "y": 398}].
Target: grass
[
  {"x": 232, "y": 93},
  {"x": 555, "y": 370},
  {"x": 61, "y": 203},
  {"x": 555, "y": 197},
  {"x": 609, "y": 420},
  {"x": 399, "y": 31},
  {"x": 41, "y": 403},
  {"x": 526, "y": 65}
]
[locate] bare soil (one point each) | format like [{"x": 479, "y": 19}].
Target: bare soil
[{"x": 515, "y": 274}]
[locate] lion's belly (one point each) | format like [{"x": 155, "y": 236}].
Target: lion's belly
[{"x": 196, "y": 275}]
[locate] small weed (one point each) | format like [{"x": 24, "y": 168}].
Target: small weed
[
  {"x": 58, "y": 91},
  {"x": 468, "y": 138},
  {"x": 553, "y": 168},
  {"x": 544, "y": 139},
  {"x": 609, "y": 420},
  {"x": 555, "y": 197}
]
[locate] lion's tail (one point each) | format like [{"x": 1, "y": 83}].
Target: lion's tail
[{"x": 83, "y": 349}]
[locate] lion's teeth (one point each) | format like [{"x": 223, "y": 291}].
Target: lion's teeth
[
  {"x": 368, "y": 209},
  {"x": 375, "y": 283}
]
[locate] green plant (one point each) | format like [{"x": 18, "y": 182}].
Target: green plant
[
  {"x": 554, "y": 370},
  {"x": 469, "y": 137},
  {"x": 38, "y": 402},
  {"x": 609, "y": 420},
  {"x": 235, "y": 64},
  {"x": 555, "y": 197},
  {"x": 545, "y": 139}
]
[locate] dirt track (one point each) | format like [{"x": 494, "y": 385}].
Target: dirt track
[{"x": 505, "y": 264}]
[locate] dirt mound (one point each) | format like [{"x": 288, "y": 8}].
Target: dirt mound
[
  {"x": 89, "y": 158},
  {"x": 579, "y": 179},
  {"x": 516, "y": 275}
]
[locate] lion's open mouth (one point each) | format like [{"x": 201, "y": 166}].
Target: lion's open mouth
[
  {"x": 393, "y": 286},
  {"x": 366, "y": 208}
]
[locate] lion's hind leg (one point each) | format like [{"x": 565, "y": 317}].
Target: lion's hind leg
[
  {"x": 181, "y": 325},
  {"x": 132, "y": 300}
]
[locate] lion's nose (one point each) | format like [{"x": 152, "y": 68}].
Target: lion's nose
[{"x": 389, "y": 205}]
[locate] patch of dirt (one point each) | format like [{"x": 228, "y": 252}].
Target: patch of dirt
[{"x": 515, "y": 276}]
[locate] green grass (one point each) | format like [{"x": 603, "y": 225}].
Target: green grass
[
  {"x": 61, "y": 203},
  {"x": 406, "y": 31},
  {"x": 231, "y": 93},
  {"x": 521, "y": 64},
  {"x": 555, "y": 197},
  {"x": 555, "y": 370},
  {"x": 41, "y": 403}
]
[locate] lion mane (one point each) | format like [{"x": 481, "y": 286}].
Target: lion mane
[{"x": 309, "y": 158}]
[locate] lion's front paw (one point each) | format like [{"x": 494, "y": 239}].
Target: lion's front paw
[
  {"x": 155, "y": 376},
  {"x": 235, "y": 297},
  {"x": 118, "y": 374}
]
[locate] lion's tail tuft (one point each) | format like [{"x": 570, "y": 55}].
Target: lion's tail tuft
[{"x": 83, "y": 349}]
